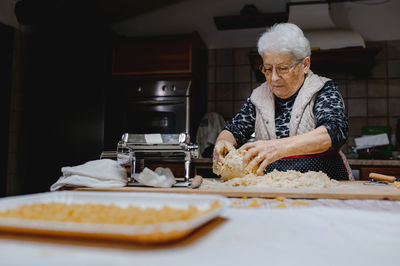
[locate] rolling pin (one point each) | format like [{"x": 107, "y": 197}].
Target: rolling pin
[
  {"x": 196, "y": 182},
  {"x": 380, "y": 177}
]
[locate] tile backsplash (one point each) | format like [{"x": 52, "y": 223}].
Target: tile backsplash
[{"x": 372, "y": 100}]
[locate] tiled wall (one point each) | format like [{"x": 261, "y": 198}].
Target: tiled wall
[{"x": 372, "y": 100}]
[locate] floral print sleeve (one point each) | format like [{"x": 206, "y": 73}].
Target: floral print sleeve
[
  {"x": 329, "y": 111},
  {"x": 242, "y": 125}
]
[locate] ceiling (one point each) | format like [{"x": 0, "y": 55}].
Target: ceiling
[
  {"x": 116, "y": 10},
  {"x": 31, "y": 12},
  {"x": 160, "y": 17}
]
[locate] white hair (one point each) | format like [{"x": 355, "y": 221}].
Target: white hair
[{"x": 284, "y": 38}]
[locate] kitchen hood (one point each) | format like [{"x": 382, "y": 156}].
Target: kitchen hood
[{"x": 315, "y": 21}]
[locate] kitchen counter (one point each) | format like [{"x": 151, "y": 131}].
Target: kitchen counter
[
  {"x": 371, "y": 162},
  {"x": 330, "y": 232},
  {"x": 367, "y": 162}
]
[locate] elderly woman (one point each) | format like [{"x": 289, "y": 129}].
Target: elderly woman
[{"x": 298, "y": 117}]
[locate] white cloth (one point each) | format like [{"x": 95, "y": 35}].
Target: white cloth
[
  {"x": 160, "y": 177},
  {"x": 210, "y": 126},
  {"x": 371, "y": 141},
  {"x": 97, "y": 173}
]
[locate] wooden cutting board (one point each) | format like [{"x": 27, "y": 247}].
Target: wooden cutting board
[{"x": 346, "y": 190}]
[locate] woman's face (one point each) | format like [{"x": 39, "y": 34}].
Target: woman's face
[{"x": 283, "y": 75}]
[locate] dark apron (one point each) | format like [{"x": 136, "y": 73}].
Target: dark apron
[{"x": 329, "y": 162}]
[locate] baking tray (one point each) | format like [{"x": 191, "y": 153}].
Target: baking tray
[{"x": 147, "y": 234}]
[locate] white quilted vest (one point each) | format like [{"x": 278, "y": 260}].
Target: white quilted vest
[{"x": 302, "y": 119}]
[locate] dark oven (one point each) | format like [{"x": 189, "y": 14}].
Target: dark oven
[{"x": 148, "y": 106}]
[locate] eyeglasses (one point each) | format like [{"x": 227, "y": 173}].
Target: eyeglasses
[{"x": 280, "y": 70}]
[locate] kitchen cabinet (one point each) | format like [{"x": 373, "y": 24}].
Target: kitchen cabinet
[
  {"x": 6, "y": 53},
  {"x": 203, "y": 167},
  {"x": 366, "y": 166},
  {"x": 177, "y": 55},
  {"x": 137, "y": 61},
  {"x": 392, "y": 171},
  {"x": 63, "y": 102}
]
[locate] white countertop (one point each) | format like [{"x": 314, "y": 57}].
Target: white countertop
[{"x": 329, "y": 232}]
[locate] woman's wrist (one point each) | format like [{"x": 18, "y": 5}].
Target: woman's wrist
[
  {"x": 315, "y": 141},
  {"x": 226, "y": 136}
]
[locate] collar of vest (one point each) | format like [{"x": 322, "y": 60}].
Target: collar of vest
[{"x": 264, "y": 101}]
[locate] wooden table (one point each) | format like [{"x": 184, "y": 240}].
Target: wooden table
[{"x": 345, "y": 190}]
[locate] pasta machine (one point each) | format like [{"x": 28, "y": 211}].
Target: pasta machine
[{"x": 136, "y": 151}]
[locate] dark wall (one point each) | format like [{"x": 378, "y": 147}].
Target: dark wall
[
  {"x": 6, "y": 44},
  {"x": 62, "y": 120}
]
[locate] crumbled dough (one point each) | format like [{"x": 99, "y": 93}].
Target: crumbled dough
[
  {"x": 278, "y": 179},
  {"x": 280, "y": 198},
  {"x": 281, "y": 206},
  {"x": 254, "y": 204},
  {"x": 232, "y": 166},
  {"x": 299, "y": 203},
  {"x": 288, "y": 179},
  {"x": 232, "y": 171},
  {"x": 397, "y": 184}
]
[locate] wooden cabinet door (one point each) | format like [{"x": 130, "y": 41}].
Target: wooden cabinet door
[
  {"x": 392, "y": 171},
  {"x": 153, "y": 55}
]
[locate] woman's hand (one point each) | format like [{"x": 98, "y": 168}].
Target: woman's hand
[
  {"x": 221, "y": 149},
  {"x": 224, "y": 144},
  {"x": 261, "y": 153}
]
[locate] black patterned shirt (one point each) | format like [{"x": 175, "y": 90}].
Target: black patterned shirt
[{"x": 328, "y": 111}]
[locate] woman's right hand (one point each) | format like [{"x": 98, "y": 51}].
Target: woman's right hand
[{"x": 221, "y": 149}]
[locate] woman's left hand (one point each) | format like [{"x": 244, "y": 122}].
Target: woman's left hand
[{"x": 261, "y": 153}]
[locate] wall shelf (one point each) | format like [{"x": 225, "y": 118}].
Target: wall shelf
[{"x": 356, "y": 61}]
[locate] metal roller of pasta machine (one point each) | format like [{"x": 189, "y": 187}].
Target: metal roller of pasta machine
[{"x": 166, "y": 150}]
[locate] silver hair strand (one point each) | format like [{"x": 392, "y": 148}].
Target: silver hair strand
[{"x": 284, "y": 38}]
